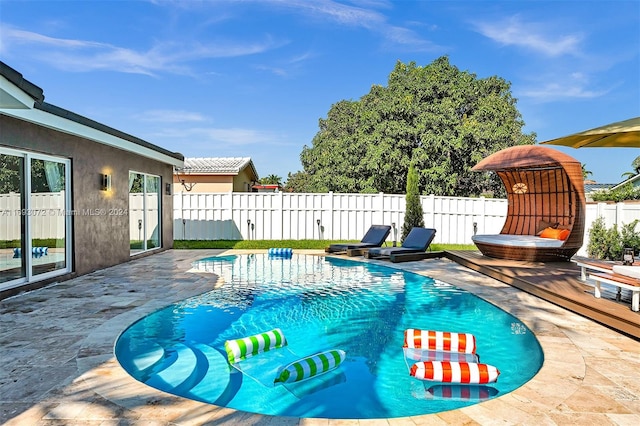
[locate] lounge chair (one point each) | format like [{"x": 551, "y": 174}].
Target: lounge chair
[
  {"x": 417, "y": 241},
  {"x": 375, "y": 237}
]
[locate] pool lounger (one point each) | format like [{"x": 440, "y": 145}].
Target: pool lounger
[{"x": 239, "y": 350}]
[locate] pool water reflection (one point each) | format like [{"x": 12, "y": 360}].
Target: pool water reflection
[{"x": 322, "y": 303}]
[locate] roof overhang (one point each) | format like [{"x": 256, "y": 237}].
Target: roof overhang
[{"x": 23, "y": 100}]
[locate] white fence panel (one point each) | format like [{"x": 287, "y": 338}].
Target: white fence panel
[
  {"x": 47, "y": 212},
  {"x": 298, "y": 216},
  {"x": 295, "y": 216},
  {"x": 618, "y": 214},
  {"x": 10, "y": 214}
]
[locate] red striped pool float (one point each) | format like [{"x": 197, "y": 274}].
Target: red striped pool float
[
  {"x": 440, "y": 341},
  {"x": 454, "y": 372}
]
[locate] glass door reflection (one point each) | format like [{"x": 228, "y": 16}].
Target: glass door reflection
[
  {"x": 47, "y": 216},
  {"x": 12, "y": 226}
]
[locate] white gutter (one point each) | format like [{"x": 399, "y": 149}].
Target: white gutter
[{"x": 71, "y": 127}]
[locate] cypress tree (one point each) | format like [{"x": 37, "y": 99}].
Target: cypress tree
[{"x": 413, "y": 215}]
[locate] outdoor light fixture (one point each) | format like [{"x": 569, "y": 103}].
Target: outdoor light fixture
[
  {"x": 106, "y": 182},
  {"x": 627, "y": 257},
  {"x": 395, "y": 234},
  {"x": 167, "y": 188}
]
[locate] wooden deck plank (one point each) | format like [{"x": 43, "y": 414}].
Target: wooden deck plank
[{"x": 558, "y": 283}]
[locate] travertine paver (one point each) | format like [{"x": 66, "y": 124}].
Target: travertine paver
[{"x": 57, "y": 365}]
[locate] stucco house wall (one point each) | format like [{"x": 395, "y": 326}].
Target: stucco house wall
[
  {"x": 215, "y": 174},
  {"x": 100, "y": 226},
  {"x": 99, "y": 240}
]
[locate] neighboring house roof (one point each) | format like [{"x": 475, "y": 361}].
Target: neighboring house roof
[
  {"x": 635, "y": 181},
  {"x": 591, "y": 187},
  {"x": 22, "y": 99},
  {"x": 219, "y": 165}
]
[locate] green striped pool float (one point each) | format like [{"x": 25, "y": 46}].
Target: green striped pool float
[
  {"x": 246, "y": 347},
  {"x": 311, "y": 366}
]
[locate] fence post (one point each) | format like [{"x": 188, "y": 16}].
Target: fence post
[
  {"x": 483, "y": 212},
  {"x": 432, "y": 198},
  {"x": 618, "y": 219}
]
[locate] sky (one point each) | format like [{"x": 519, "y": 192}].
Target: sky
[{"x": 243, "y": 78}]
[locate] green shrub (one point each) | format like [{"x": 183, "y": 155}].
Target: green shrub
[
  {"x": 624, "y": 193},
  {"x": 608, "y": 243},
  {"x": 413, "y": 215},
  {"x": 630, "y": 238}
]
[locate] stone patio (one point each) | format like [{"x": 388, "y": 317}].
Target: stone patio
[{"x": 58, "y": 366}]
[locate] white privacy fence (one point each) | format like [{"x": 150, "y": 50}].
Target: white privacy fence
[
  {"x": 329, "y": 216},
  {"x": 47, "y": 213},
  {"x": 293, "y": 216},
  {"x": 283, "y": 216}
]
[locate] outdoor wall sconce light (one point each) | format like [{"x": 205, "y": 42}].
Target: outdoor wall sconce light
[
  {"x": 167, "y": 188},
  {"x": 105, "y": 182}
]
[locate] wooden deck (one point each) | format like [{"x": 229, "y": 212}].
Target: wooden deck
[{"x": 558, "y": 283}]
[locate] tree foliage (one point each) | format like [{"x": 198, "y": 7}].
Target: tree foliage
[
  {"x": 414, "y": 215},
  {"x": 625, "y": 192},
  {"x": 12, "y": 172},
  {"x": 608, "y": 243},
  {"x": 271, "y": 180},
  {"x": 443, "y": 119},
  {"x": 636, "y": 165}
]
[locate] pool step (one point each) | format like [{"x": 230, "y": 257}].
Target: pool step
[
  {"x": 176, "y": 370},
  {"x": 148, "y": 359}
]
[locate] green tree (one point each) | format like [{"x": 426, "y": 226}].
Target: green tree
[
  {"x": 443, "y": 119},
  {"x": 636, "y": 165},
  {"x": 11, "y": 174},
  {"x": 586, "y": 173},
  {"x": 297, "y": 182},
  {"x": 413, "y": 215},
  {"x": 271, "y": 180}
]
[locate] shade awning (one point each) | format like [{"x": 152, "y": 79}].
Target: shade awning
[{"x": 620, "y": 134}]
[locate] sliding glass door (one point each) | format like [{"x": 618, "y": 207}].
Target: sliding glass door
[
  {"x": 144, "y": 212},
  {"x": 12, "y": 226},
  {"x": 35, "y": 230},
  {"x": 47, "y": 205}
]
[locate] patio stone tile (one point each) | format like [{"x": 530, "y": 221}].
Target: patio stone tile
[
  {"x": 59, "y": 367},
  {"x": 589, "y": 399},
  {"x": 313, "y": 422},
  {"x": 594, "y": 378},
  {"x": 624, "y": 419},
  {"x": 581, "y": 419}
]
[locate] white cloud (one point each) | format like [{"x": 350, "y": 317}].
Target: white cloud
[
  {"x": 362, "y": 15},
  {"x": 82, "y": 55},
  {"x": 533, "y": 36},
  {"x": 576, "y": 85},
  {"x": 212, "y": 135},
  {"x": 171, "y": 116}
]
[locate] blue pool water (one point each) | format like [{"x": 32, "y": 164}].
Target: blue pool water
[{"x": 321, "y": 303}]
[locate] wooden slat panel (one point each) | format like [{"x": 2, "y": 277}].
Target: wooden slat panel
[{"x": 558, "y": 283}]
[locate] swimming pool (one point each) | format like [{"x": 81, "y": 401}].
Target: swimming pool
[{"x": 322, "y": 303}]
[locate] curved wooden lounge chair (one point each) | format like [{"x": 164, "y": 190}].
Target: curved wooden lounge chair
[
  {"x": 545, "y": 188},
  {"x": 375, "y": 237}
]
